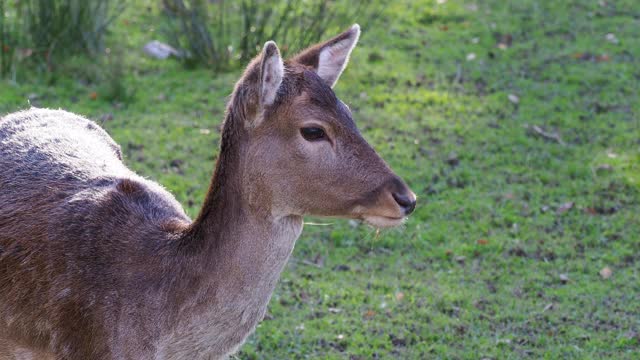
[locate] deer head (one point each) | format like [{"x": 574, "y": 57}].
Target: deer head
[{"x": 306, "y": 154}]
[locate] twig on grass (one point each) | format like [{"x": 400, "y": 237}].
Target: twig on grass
[
  {"x": 307, "y": 262},
  {"x": 537, "y": 130}
]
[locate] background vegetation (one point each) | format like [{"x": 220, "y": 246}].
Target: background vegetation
[
  {"x": 223, "y": 35},
  {"x": 516, "y": 122}
]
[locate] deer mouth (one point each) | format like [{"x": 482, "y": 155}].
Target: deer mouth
[{"x": 383, "y": 221}]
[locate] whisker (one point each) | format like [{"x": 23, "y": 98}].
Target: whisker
[{"x": 317, "y": 224}]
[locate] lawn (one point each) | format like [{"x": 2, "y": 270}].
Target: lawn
[{"x": 517, "y": 124}]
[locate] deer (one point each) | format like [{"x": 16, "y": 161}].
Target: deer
[{"x": 97, "y": 262}]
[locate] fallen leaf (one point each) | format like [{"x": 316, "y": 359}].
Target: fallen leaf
[
  {"x": 564, "y": 278},
  {"x": 591, "y": 211},
  {"x": 504, "y": 41},
  {"x": 399, "y": 296},
  {"x": 587, "y": 56},
  {"x": 564, "y": 207},
  {"x": 612, "y": 38},
  {"x": 369, "y": 314},
  {"x": 483, "y": 241},
  {"x": 159, "y": 50},
  {"x": 606, "y": 272},
  {"x": 93, "y": 95}
]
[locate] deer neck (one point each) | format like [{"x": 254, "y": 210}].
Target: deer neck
[
  {"x": 243, "y": 247},
  {"x": 230, "y": 260}
]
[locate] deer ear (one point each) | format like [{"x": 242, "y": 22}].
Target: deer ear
[
  {"x": 330, "y": 57},
  {"x": 271, "y": 73}
]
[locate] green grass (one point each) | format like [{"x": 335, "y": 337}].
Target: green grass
[{"x": 490, "y": 265}]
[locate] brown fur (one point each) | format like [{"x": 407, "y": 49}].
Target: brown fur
[{"x": 99, "y": 263}]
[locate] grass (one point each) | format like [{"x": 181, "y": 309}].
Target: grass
[{"x": 521, "y": 204}]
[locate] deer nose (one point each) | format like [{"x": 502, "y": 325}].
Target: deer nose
[{"x": 407, "y": 201}]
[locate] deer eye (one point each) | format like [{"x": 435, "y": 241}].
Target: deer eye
[{"x": 312, "y": 133}]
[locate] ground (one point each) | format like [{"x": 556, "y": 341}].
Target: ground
[{"x": 517, "y": 125}]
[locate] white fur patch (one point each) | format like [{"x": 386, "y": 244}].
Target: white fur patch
[
  {"x": 333, "y": 59},
  {"x": 272, "y": 72}
]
